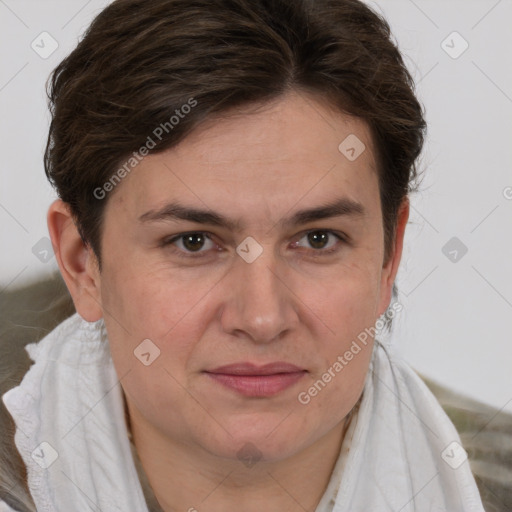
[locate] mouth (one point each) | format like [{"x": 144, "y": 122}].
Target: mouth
[{"x": 257, "y": 381}]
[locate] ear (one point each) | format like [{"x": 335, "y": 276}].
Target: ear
[
  {"x": 390, "y": 270},
  {"x": 77, "y": 262}
]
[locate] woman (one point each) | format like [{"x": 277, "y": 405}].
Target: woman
[{"x": 233, "y": 182}]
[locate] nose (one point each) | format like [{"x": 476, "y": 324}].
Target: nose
[{"x": 261, "y": 306}]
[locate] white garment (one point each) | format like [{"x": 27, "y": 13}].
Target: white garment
[{"x": 70, "y": 398}]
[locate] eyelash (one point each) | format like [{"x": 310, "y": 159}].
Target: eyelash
[{"x": 168, "y": 242}]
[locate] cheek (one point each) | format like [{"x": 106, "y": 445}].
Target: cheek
[
  {"x": 347, "y": 307},
  {"x": 152, "y": 328},
  {"x": 347, "y": 302},
  {"x": 333, "y": 390},
  {"x": 149, "y": 304}
]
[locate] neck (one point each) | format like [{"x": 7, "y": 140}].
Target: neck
[{"x": 187, "y": 478}]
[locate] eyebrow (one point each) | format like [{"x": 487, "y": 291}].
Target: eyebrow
[{"x": 176, "y": 211}]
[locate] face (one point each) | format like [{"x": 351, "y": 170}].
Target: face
[{"x": 254, "y": 282}]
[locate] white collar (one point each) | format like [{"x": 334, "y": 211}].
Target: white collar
[
  {"x": 72, "y": 435},
  {"x": 71, "y": 431}
]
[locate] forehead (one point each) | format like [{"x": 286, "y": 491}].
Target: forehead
[
  {"x": 294, "y": 150},
  {"x": 293, "y": 127}
]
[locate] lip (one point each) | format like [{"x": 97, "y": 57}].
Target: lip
[
  {"x": 253, "y": 369},
  {"x": 257, "y": 381}
]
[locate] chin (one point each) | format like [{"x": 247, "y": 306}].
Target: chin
[{"x": 255, "y": 439}]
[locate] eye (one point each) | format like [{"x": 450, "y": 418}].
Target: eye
[
  {"x": 189, "y": 245},
  {"x": 320, "y": 240}
]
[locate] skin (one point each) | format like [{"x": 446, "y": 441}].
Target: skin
[{"x": 290, "y": 304}]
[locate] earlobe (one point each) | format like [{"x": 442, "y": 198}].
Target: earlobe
[
  {"x": 77, "y": 262},
  {"x": 390, "y": 271}
]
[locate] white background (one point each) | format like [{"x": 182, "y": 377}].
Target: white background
[{"x": 455, "y": 325}]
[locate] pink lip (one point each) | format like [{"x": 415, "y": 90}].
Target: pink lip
[{"x": 251, "y": 380}]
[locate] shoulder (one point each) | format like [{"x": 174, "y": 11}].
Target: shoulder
[
  {"x": 27, "y": 315},
  {"x": 485, "y": 432}
]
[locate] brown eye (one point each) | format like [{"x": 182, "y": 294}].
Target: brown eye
[
  {"x": 318, "y": 239},
  {"x": 322, "y": 241},
  {"x": 193, "y": 242},
  {"x": 190, "y": 244}
]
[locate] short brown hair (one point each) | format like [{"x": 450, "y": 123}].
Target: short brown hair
[{"x": 140, "y": 61}]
